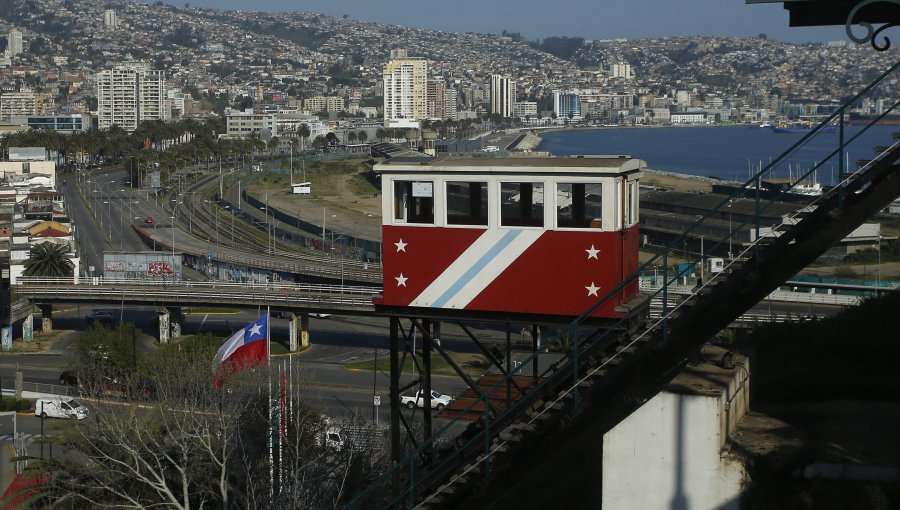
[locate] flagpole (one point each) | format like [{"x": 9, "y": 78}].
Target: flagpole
[
  {"x": 281, "y": 423},
  {"x": 271, "y": 410}
]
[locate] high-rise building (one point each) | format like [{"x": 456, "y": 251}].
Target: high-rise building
[
  {"x": 566, "y": 105},
  {"x": 503, "y": 95},
  {"x": 19, "y": 103},
  {"x": 436, "y": 88},
  {"x": 110, "y": 20},
  {"x": 620, "y": 70},
  {"x": 450, "y": 100},
  {"x": 405, "y": 90},
  {"x": 14, "y": 43},
  {"x": 129, "y": 94}
]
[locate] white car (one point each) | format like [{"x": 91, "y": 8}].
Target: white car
[
  {"x": 438, "y": 401},
  {"x": 101, "y": 316}
]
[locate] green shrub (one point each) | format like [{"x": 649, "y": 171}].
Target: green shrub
[
  {"x": 23, "y": 405},
  {"x": 8, "y": 404}
]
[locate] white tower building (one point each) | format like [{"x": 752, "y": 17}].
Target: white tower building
[
  {"x": 405, "y": 90},
  {"x": 14, "y": 43},
  {"x": 129, "y": 94},
  {"x": 503, "y": 95}
]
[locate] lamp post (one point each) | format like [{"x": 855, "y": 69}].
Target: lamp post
[
  {"x": 231, "y": 209},
  {"x": 269, "y": 228},
  {"x": 730, "y": 236},
  {"x": 878, "y": 271},
  {"x": 174, "y": 210}
]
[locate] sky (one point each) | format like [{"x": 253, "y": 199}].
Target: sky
[{"x": 590, "y": 19}]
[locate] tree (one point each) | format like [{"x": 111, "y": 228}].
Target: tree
[
  {"x": 362, "y": 136},
  {"x": 351, "y": 137},
  {"x": 50, "y": 260},
  {"x": 331, "y": 138},
  {"x": 196, "y": 446},
  {"x": 380, "y": 133},
  {"x": 304, "y": 133}
]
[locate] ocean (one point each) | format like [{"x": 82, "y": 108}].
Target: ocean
[{"x": 727, "y": 153}]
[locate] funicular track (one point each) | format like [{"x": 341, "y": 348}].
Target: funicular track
[{"x": 610, "y": 372}]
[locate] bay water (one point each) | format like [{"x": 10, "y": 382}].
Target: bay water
[{"x": 729, "y": 153}]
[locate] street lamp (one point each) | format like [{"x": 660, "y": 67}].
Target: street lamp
[
  {"x": 878, "y": 271},
  {"x": 269, "y": 229},
  {"x": 231, "y": 209},
  {"x": 174, "y": 209},
  {"x": 730, "y": 236}
]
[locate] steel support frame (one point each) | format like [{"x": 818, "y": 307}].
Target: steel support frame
[{"x": 401, "y": 341}]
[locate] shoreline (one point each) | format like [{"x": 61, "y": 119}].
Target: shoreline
[{"x": 563, "y": 129}]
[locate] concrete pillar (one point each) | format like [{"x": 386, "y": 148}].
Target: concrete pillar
[
  {"x": 304, "y": 330},
  {"x": 164, "y": 327},
  {"x": 293, "y": 332},
  {"x": 28, "y": 328},
  {"x": 46, "y": 318},
  {"x": 175, "y": 321}
]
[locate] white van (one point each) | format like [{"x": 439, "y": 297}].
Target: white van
[{"x": 59, "y": 407}]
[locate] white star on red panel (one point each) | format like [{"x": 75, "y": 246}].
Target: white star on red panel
[
  {"x": 401, "y": 246},
  {"x": 592, "y": 289},
  {"x": 592, "y": 253},
  {"x": 401, "y": 280}
]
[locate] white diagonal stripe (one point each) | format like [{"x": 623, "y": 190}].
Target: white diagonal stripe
[{"x": 476, "y": 268}]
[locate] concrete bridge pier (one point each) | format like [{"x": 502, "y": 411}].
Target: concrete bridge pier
[
  {"x": 170, "y": 320},
  {"x": 46, "y": 318},
  {"x": 164, "y": 326},
  {"x": 298, "y": 331}
]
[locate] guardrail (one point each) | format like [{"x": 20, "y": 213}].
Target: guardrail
[
  {"x": 356, "y": 298},
  {"x": 778, "y": 295}
]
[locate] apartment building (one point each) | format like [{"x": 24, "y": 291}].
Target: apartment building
[
  {"x": 129, "y": 94},
  {"x": 523, "y": 109},
  {"x": 503, "y": 95},
  {"x": 240, "y": 124},
  {"x": 110, "y": 19},
  {"x": 405, "y": 90},
  {"x": 20, "y": 103},
  {"x": 436, "y": 88},
  {"x": 14, "y": 45},
  {"x": 318, "y": 104}
]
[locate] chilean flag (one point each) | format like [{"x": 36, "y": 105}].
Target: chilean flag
[{"x": 247, "y": 348}]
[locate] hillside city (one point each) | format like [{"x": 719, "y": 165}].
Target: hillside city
[
  {"x": 441, "y": 312},
  {"x": 333, "y": 68}
]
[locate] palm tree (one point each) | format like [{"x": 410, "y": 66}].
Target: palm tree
[
  {"x": 304, "y": 133},
  {"x": 380, "y": 133},
  {"x": 351, "y": 137},
  {"x": 49, "y": 260},
  {"x": 362, "y": 136}
]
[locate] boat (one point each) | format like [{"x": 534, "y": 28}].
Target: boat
[
  {"x": 801, "y": 127},
  {"x": 766, "y": 124}
]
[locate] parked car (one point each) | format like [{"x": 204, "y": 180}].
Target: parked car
[
  {"x": 438, "y": 401},
  {"x": 59, "y": 406},
  {"x": 104, "y": 317},
  {"x": 148, "y": 220}
]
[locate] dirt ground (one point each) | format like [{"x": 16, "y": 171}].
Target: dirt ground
[
  {"x": 835, "y": 429},
  {"x": 675, "y": 183},
  {"x": 340, "y": 196}
]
